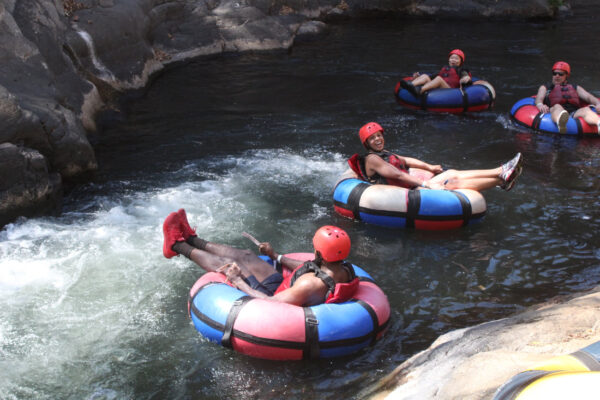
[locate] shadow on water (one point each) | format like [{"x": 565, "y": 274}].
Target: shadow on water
[{"x": 254, "y": 142}]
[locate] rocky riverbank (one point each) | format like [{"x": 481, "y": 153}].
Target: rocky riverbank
[
  {"x": 64, "y": 61},
  {"x": 472, "y": 363}
]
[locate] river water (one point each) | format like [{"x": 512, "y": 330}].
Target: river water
[{"x": 255, "y": 142}]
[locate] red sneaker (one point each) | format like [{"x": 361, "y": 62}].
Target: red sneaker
[
  {"x": 185, "y": 225},
  {"x": 172, "y": 233}
]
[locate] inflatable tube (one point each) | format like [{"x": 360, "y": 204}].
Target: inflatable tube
[
  {"x": 574, "y": 376},
  {"x": 564, "y": 385},
  {"x": 279, "y": 331},
  {"x": 396, "y": 207},
  {"x": 476, "y": 97},
  {"x": 525, "y": 113}
]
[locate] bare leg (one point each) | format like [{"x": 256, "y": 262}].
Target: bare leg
[
  {"x": 588, "y": 115},
  {"x": 207, "y": 261},
  {"x": 473, "y": 179},
  {"x": 477, "y": 184},
  {"x": 437, "y": 82},
  {"x": 453, "y": 174},
  {"x": 421, "y": 80},
  {"x": 216, "y": 255},
  {"x": 208, "y": 255},
  {"x": 555, "y": 111},
  {"x": 480, "y": 179}
]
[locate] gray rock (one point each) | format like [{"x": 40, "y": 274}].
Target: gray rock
[
  {"x": 27, "y": 187},
  {"x": 311, "y": 30},
  {"x": 472, "y": 363},
  {"x": 42, "y": 94}
]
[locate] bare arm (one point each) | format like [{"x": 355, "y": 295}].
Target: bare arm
[
  {"x": 234, "y": 275},
  {"x": 416, "y": 163},
  {"x": 307, "y": 290},
  {"x": 377, "y": 164},
  {"x": 266, "y": 249},
  {"x": 588, "y": 97},
  {"x": 539, "y": 99},
  {"x": 465, "y": 78}
]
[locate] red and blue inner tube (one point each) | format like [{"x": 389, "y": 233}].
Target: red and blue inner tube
[
  {"x": 471, "y": 98},
  {"x": 525, "y": 113},
  {"x": 420, "y": 209},
  {"x": 273, "y": 330}
]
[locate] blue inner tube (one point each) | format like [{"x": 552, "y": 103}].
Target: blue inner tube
[
  {"x": 472, "y": 98},
  {"x": 396, "y": 207},
  {"x": 221, "y": 314},
  {"x": 525, "y": 113}
]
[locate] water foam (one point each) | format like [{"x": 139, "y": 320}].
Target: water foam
[
  {"x": 92, "y": 284},
  {"x": 104, "y": 71}
]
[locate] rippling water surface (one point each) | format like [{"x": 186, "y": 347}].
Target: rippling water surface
[{"x": 255, "y": 142}]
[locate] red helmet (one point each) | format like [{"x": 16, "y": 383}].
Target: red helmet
[
  {"x": 459, "y": 53},
  {"x": 369, "y": 129},
  {"x": 562, "y": 66},
  {"x": 332, "y": 242}
]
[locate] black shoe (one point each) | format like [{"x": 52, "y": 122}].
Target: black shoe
[{"x": 410, "y": 88}]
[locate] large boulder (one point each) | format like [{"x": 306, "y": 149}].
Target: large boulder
[
  {"x": 27, "y": 186},
  {"x": 472, "y": 363}
]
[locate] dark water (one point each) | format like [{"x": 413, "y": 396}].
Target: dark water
[{"x": 254, "y": 142}]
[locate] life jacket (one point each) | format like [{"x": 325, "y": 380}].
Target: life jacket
[
  {"x": 336, "y": 293},
  {"x": 563, "y": 95},
  {"x": 357, "y": 164},
  {"x": 452, "y": 75}
]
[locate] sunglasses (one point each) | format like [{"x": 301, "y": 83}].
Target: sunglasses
[{"x": 558, "y": 73}]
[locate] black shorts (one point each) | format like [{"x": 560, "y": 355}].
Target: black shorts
[
  {"x": 268, "y": 286},
  {"x": 570, "y": 108}
]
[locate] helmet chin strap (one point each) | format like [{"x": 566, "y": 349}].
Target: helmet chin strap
[{"x": 318, "y": 258}]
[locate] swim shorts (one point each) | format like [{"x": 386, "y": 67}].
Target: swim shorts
[{"x": 268, "y": 286}]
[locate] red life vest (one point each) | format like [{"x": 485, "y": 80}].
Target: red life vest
[
  {"x": 336, "y": 292},
  {"x": 357, "y": 164},
  {"x": 562, "y": 94},
  {"x": 452, "y": 75}
]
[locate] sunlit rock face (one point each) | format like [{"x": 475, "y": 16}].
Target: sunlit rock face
[{"x": 472, "y": 363}]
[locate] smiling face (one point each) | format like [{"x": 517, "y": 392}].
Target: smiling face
[
  {"x": 559, "y": 76},
  {"x": 454, "y": 60},
  {"x": 376, "y": 142}
]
